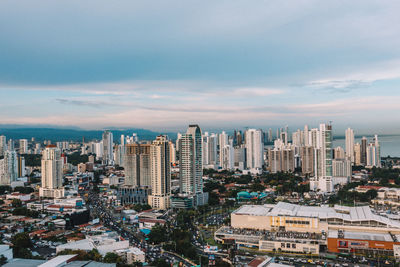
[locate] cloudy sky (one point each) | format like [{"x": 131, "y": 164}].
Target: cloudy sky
[{"x": 221, "y": 64}]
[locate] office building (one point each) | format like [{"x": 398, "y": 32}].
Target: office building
[
  {"x": 52, "y": 173},
  {"x": 160, "y": 176}
]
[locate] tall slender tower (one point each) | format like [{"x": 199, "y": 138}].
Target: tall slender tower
[
  {"x": 52, "y": 173},
  {"x": 8, "y": 168},
  {"x": 323, "y": 161},
  {"x": 107, "y": 147},
  {"x": 364, "y": 144},
  {"x": 3, "y": 145},
  {"x": 160, "y": 173},
  {"x": 350, "y": 144},
  {"x": 191, "y": 167},
  {"x": 254, "y": 149}
]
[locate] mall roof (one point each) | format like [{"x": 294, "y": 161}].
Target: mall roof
[{"x": 350, "y": 214}]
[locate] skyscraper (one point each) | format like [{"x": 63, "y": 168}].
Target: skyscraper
[
  {"x": 364, "y": 142},
  {"x": 160, "y": 173},
  {"x": 323, "y": 161},
  {"x": 3, "y": 145},
  {"x": 254, "y": 149},
  {"x": 8, "y": 168},
  {"x": 52, "y": 173},
  {"x": 137, "y": 165},
  {"x": 223, "y": 141},
  {"x": 350, "y": 144},
  {"x": 191, "y": 167},
  {"x": 374, "y": 154},
  {"x": 108, "y": 148},
  {"x": 23, "y": 146},
  {"x": 357, "y": 154}
]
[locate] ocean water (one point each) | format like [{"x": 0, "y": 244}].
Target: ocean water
[{"x": 390, "y": 144}]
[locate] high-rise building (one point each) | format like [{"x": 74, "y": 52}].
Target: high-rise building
[
  {"x": 137, "y": 165},
  {"x": 52, "y": 173},
  {"x": 357, "y": 154},
  {"x": 21, "y": 166},
  {"x": 212, "y": 150},
  {"x": 323, "y": 161},
  {"x": 364, "y": 143},
  {"x": 172, "y": 152},
  {"x": 339, "y": 153},
  {"x": 8, "y": 168},
  {"x": 206, "y": 160},
  {"x": 239, "y": 161},
  {"x": 108, "y": 145},
  {"x": 160, "y": 173},
  {"x": 307, "y": 160},
  {"x": 374, "y": 154},
  {"x": 341, "y": 170},
  {"x": 10, "y": 145},
  {"x": 3, "y": 145},
  {"x": 228, "y": 158},
  {"x": 223, "y": 141},
  {"x": 23, "y": 146},
  {"x": 350, "y": 144},
  {"x": 306, "y": 136},
  {"x": 270, "y": 138},
  {"x": 191, "y": 167},
  {"x": 254, "y": 149}
]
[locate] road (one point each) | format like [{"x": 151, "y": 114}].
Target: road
[{"x": 99, "y": 209}]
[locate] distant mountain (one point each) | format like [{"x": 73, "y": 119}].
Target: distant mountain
[{"x": 62, "y": 134}]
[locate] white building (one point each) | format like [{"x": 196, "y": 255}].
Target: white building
[
  {"x": 374, "y": 154},
  {"x": 52, "y": 173},
  {"x": 350, "y": 144},
  {"x": 3, "y": 144},
  {"x": 23, "y": 146},
  {"x": 254, "y": 149},
  {"x": 8, "y": 168},
  {"x": 160, "y": 173},
  {"x": 108, "y": 144},
  {"x": 322, "y": 180}
]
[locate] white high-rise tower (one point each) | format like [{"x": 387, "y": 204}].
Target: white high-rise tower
[
  {"x": 52, "y": 173},
  {"x": 350, "y": 144},
  {"x": 254, "y": 149}
]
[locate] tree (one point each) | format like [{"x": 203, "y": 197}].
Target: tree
[
  {"x": 160, "y": 263},
  {"x": 21, "y": 242},
  {"x": 157, "y": 234},
  {"x": 112, "y": 257},
  {"x": 24, "y": 189},
  {"x": 16, "y": 203}
]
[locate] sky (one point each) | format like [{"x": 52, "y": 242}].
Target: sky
[{"x": 161, "y": 65}]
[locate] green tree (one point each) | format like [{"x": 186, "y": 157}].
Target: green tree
[
  {"x": 16, "y": 203},
  {"x": 157, "y": 234},
  {"x": 160, "y": 263},
  {"x": 21, "y": 244},
  {"x": 112, "y": 257}
]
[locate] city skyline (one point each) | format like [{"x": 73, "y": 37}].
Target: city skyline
[{"x": 218, "y": 65}]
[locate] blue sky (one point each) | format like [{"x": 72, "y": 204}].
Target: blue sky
[{"x": 222, "y": 64}]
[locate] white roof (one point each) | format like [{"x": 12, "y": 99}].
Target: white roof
[
  {"x": 350, "y": 214},
  {"x": 256, "y": 210},
  {"x": 57, "y": 261},
  {"x": 362, "y": 236}
]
